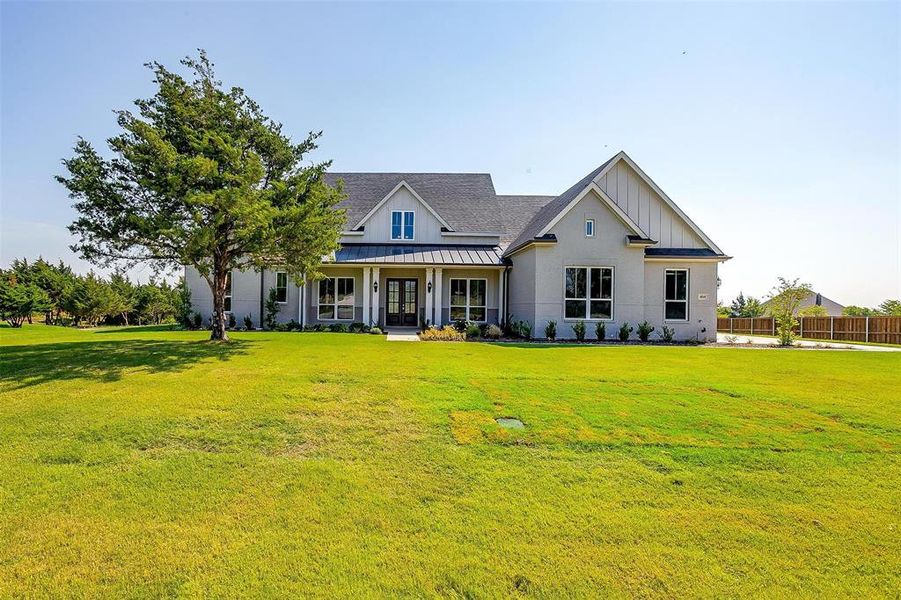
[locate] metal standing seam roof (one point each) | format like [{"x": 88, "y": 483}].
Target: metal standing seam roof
[{"x": 423, "y": 254}]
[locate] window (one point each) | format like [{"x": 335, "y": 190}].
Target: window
[
  {"x": 228, "y": 292},
  {"x": 589, "y": 227},
  {"x": 675, "y": 295},
  {"x": 281, "y": 288},
  {"x": 402, "y": 224},
  {"x": 336, "y": 298},
  {"x": 468, "y": 301},
  {"x": 588, "y": 293}
]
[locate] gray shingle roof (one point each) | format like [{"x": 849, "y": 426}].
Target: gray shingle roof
[
  {"x": 552, "y": 209},
  {"x": 466, "y": 201},
  {"x": 517, "y": 212},
  {"x": 422, "y": 254},
  {"x": 680, "y": 252}
]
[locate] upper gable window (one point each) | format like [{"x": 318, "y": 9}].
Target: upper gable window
[
  {"x": 589, "y": 227},
  {"x": 402, "y": 224}
]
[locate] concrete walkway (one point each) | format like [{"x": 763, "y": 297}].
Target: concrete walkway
[
  {"x": 768, "y": 341},
  {"x": 402, "y": 335}
]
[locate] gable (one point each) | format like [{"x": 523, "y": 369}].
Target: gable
[
  {"x": 377, "y": 224},
  {"x": 648, "y": 208},
  {"x": 609, "y": 225}
]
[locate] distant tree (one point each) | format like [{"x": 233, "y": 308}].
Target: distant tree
[
  {"x": 722, "y": 311},
  {"x": 183, "y": 309},
  {"x": 858, "y": 311},
  {"x": 746, "y": 306},
  {"x": 890, "y": 308},
  {"x": 126, "y": 294},
  {"x": 785, "y": 298},
  {"x": 202, "y": 177},
  {"x": 19, "y": 300},
  {"x": 814, "y": 310}
]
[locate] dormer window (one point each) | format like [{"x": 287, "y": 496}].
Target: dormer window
[
  {"x": 402, "y": 224},
  {"x": 589, "y": 227}
]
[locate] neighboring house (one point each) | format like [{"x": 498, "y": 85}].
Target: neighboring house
[
  {"x": 432, "y": 248},
  {"x": 833, "y": 308}
]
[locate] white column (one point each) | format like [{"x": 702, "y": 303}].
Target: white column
[
  {"x": 429, "y": 295},
  {"x": 304, "y": 291},
  {"x": 500, "y": 296},
  {"x": 437, "y": 290},
  {"x": 367, "y": 293},
  {"x": 375, "y": 290}
]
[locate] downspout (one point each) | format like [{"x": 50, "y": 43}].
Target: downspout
[{"x": 506, "y": 295}]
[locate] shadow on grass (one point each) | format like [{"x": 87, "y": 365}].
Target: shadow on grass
[
  {"x": 24, "y": 366},
  {"x": 138, "y": 329}
]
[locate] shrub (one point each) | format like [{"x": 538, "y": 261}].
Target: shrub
[
  {"x": 232, "y": 323},
  {"x": 197, "y": 320},
  {"x": 731, "y": 339},
  {"x": 579, "y": 330},
  {"x": 448, "y": 333},
  {"x": 317, "y": 327},
  {"x": 375, "y": 330},
  {"x": 785, "y": 299},
  {"x": 294, "y": 326},
  {"x": 525, "y": 330},
  {"x": 359, "y": 327},
  {"x": 248, "y": 322},
  {"x": 624, "y": 332},
  {"x": 667, "y": 333},
  {"x": 493, "y": 332},
  {"x": 338, "y": 328},
  {"x": 644, "y": 331},
  {"x": 272, "y": 308},
  {"x": 472, "y": 330},
  {"x": 460, "y": 325},
  {"x": 550, "y": 330},
  {"x": 600, "y": 331}
]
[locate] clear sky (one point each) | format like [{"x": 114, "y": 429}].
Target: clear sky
[{"x": 775, "y": 126}]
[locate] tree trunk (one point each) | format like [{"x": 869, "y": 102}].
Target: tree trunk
[{"x": 219, "y": 320}]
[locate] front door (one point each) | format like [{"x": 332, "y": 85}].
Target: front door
[{"x": 402, "y": 307}]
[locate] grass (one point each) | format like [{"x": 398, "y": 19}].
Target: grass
[{"x": 147, "y": 463}]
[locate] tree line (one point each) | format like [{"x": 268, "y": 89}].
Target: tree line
[
  {"x": 59, "y": 296},
  {"x": 749, "y": 306}
]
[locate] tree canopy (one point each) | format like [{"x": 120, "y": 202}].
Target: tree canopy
[{"x": 200, "y": 176}]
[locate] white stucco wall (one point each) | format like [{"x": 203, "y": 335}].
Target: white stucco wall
[{"x": 701, "y": 323}]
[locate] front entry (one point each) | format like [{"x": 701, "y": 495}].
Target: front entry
[{"x": 401, "y": 310}]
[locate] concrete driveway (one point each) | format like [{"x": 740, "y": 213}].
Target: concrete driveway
[{"x": 768, "y": 341}]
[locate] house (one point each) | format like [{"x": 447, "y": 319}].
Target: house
[
  {"x": 433, "y": 248},
  {"x": 833, "y": 308}
]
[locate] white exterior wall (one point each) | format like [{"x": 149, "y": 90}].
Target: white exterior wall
[
  {"x": 522, "y": 285},
  {"x": 649, "y": 211},
  {"x": 245, "y": 296},
  {"x": 701, "y": 323},
  {"x": 573, "y": 249},
  {"x": 377, "y": 230}
]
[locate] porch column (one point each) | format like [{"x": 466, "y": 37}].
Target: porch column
[
  {"x": 437, "y": 303},
  {"x": 304, "y": 291},
  {"x": 374, "y": 290},
  {"x": 500, "y": 296},
  {"x": 429, "y": 295},
  {"x": 367, "y": 292}
]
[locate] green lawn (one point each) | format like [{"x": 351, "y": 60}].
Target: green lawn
[{"x": 150, "y": 463}]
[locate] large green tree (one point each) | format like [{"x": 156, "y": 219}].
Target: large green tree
[{"x": 200, "y": 176}]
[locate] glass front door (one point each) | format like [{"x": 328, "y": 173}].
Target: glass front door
[{"x": 401, "y": 307}]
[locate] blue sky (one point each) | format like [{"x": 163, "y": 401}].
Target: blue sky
[{"x": 776, "y": 126}]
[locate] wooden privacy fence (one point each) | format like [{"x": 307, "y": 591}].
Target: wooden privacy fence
[{"x": 882, "y": 330}]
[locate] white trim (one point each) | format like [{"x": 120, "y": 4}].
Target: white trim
[
  {"x": 590, "y": 221},
  {"x": 415, "y": 195},
  {"x": 529, "y": 244},
  {"x": 439, "y": 277},
  {"x": 587, "y": 299},
  {"x": 687, "y": 295},
  {"x": 367, "y": 287},
  {"x": 375, "y": 295},
  {"x": 650, "y": 182},
  {"x": 468, "y": 306},
  {"x": 353, "y": 233},
  {"x": 429, "y": 296},
  {"x": 593, "y": 187},
  {"x": 335, "y": 304},
  {"x": 465, "y": 234}
]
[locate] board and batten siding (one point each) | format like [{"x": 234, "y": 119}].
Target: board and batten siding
[{"x": 647, "y": 208}]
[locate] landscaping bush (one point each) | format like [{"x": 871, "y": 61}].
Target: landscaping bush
[
  {"x": 493, "y": 332},
  {"x": 272, "y": 308},
  {"x": 525, "y": 330},
  {"x": 472, "y": 330},
  {"x": 248, "y": 322},
  {"x": 600, "y": 331},
  {"x": 375, "y": 330},
  {"x": 460, "y": 325},
  {"x": 338, "y": 328},
  {"x": 624, "y": 332},
  {"x": 667, "y": 333},
  {"x": 315, "y": 328},
  {"x": 644, "y": 331},
  {"x": 232, "y": 323},
  {"x": 196, "y": 320},
  {"x": 359, "y": 327},
  {"x": 294, "y": 326},
  {"x": 448, "y": 333},
  {"x": 550, "y": 330},
  {"x": 579, "y": 330}
]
